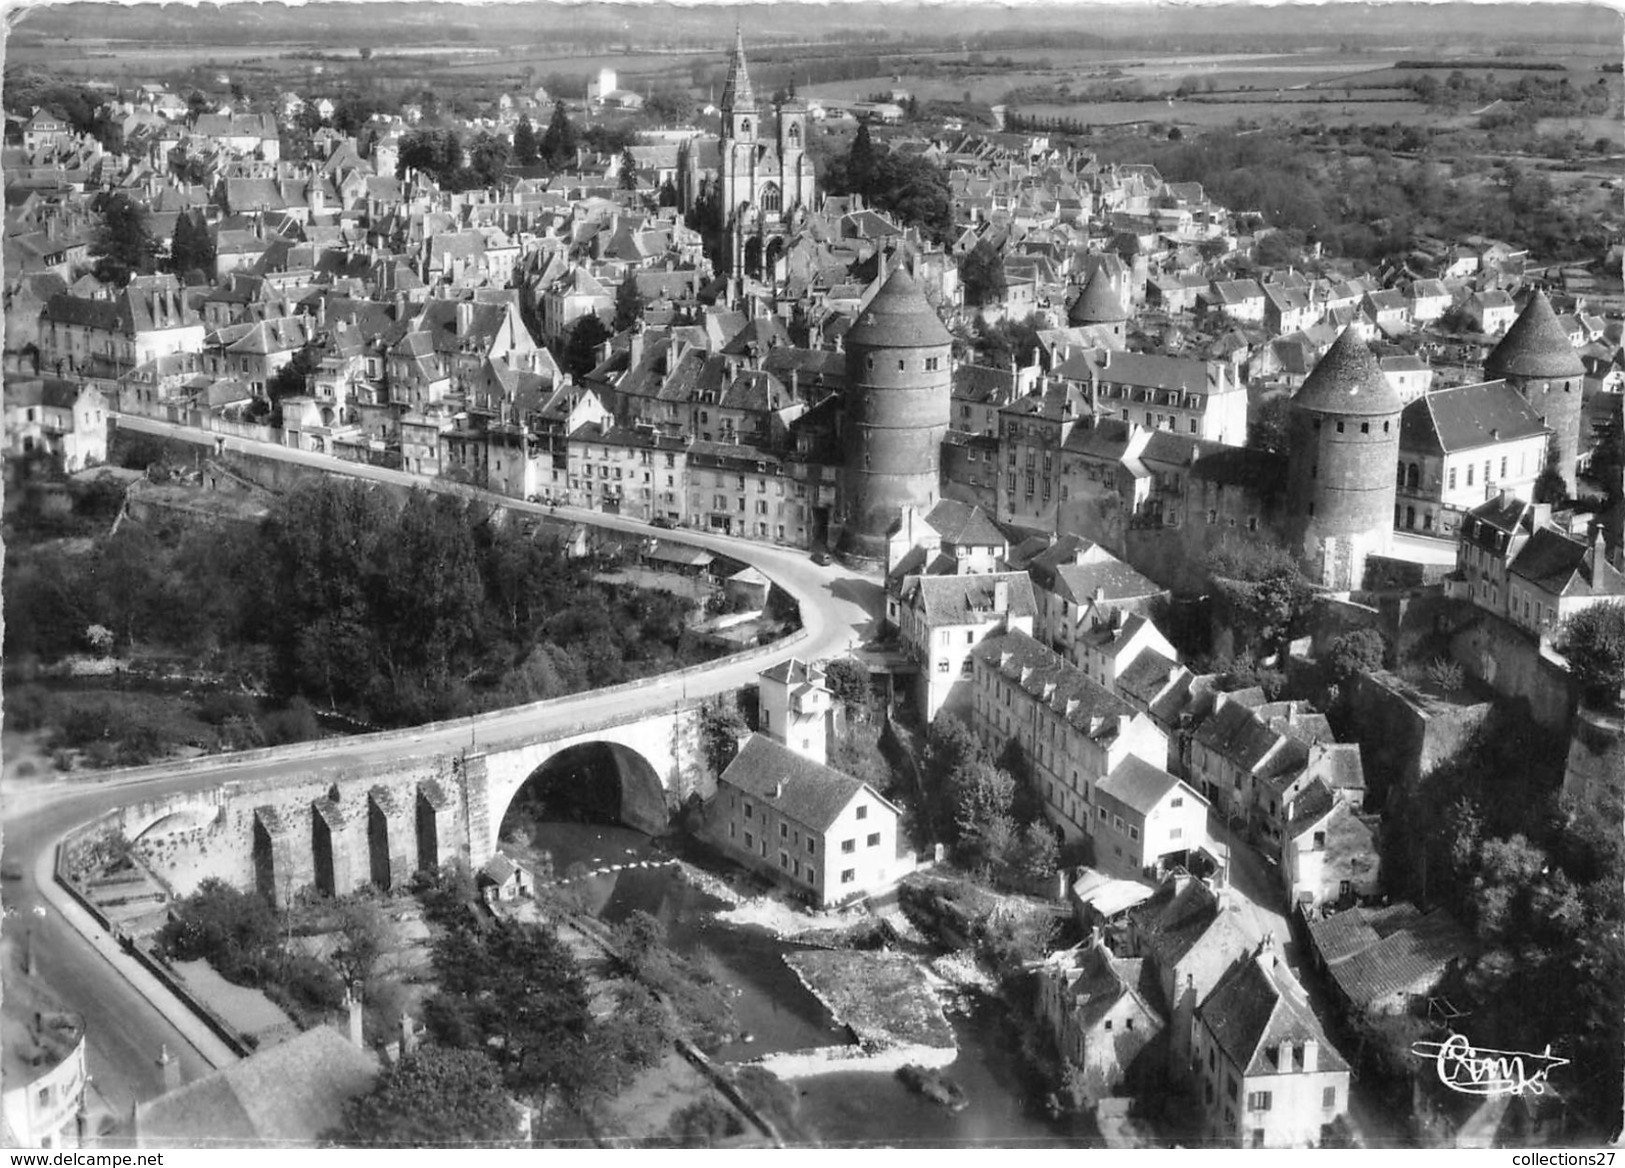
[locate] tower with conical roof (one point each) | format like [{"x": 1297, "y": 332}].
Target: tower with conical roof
[
  {"x": 1344, "y": 429},
  {"x": 1099, "y": 305},
  {"x": 898, "y": 376},
  {"x": 1537, "y": 359}
]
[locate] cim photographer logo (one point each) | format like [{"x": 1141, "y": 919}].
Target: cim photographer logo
[{"x": 1471, "y": 1071}]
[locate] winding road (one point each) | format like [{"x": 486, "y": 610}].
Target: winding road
[{"x": 121, "y": 1003}]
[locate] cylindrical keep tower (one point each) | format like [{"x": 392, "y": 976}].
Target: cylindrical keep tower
[
  {"x": 1537, "y": 359},
  {"x": 898, "y": 377},
  {"x": 1344, "y": 426}
]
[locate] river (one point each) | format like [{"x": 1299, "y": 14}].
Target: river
[{"x": 779, "y": 1014}]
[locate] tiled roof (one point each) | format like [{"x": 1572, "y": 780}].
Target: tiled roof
[
  {"x": 1465, "y": 417},
  {"x": 1258, "y": 1015},
  {"x": 798, "y": 788},
  {"x": 1535, "y": 346},
  {"x": 1560, "y": 566},
  {"x": 1374, "y": 953},
  {"x": 966, "y": 600},
  {"x": 1052, "y": 680},
  {"x": 965, "y": 524},
  {"x": 292, "y": 1093},
  {"x": 898, "y": 317},
  {"x": 1347, "y": 380},
  {"x": 1138, "y": 784}
]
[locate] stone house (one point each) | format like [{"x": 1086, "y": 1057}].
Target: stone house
[
  {"x": 1269, "y": 1076},
  {"x": 795, "y": 706},
  {"x": 1330, "y": 853},
  {"x": 942, "y": 619},
  {"x": 66, "y": 419},
  {"x": 824, "y": 835},
  {"x": 1144, "y": 819},
  {"x": 1100, "y": 1010}
]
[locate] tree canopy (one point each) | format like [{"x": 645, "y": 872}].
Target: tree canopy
[
  {"x": 581, "y": 354},
  {"x": 433, "y": 1097},
  {"x": 1593, "y": 640},
  {"x": 1260, "y": 592},
  {"x": 628, "y": 303},
  {"x": 526, "y": 148},
  {"x": 124, "y": 245},
  {"x": 558, "y": 146},
  {"x": 982, "y": 273}
]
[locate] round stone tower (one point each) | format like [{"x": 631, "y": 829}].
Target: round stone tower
[
  {"x": 898, "y": 375},
  {"x": 1098, "y": 304},
  {"x": 1537, "y": 359},
  {"x": 1344, "y": 428}
]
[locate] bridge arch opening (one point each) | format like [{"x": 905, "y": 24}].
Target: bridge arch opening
[{"x": 593, "y": 782}]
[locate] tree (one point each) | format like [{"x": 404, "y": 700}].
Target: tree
[
  {"x": 982, "y": 273},
  {"x": 629, "y": 170},
  {"x": 292, "y": 380},
  {"x": 1593, "y": 640},
  {"x": 1260, "y": 592},
  {"x": 488, "y": 159},
  {"x": 721, "y": 727},
  {"x": 862, "y": 163},
  {"x": 193, "y": 249},
  {"x": 1357, "y": 651},
  {"x": 124, "y": 245},
  {"x": 1270, "y": 430},
  {"x": 628, "y": 303},
  {"x": 517, "y": 991},
  {"x": 848, "y": 681},
  {"x": 526, "y": 149},
  {"x": 233, "y": 931},
  {"x": 558, "y": 146},
  {"x": 581, "y": 355},
  {"x": 365, "y": 935},
  {"x": 432, "y": 1097}
]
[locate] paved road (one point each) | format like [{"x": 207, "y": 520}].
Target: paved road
[{"x": 125, "y": 1028}]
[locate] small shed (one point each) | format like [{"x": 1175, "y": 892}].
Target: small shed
[
  {"x": 748, "y": 587},
  {"x": 669, "y": 556},
  {"x": 503, "y": 878}
]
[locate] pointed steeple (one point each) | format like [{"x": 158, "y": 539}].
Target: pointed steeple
[{"x": 736, "y": 93}]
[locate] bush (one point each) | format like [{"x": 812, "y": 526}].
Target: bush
[
  {"x": 1359, "y": 651},
  {"x": 704, "y": 1123},
  {"x": 1443, "y": 675}
]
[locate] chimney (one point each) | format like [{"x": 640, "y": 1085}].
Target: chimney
[
  {"x": 634, "y": 353},
  {"x": 778, "y": 789},
  {"x": 1311, "y": 1055},
  {"x": 1599, "y": 559},
  {"x": 170, "y": 1068},
  {"x": 1001, "y": 596}
]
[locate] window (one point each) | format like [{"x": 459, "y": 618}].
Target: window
[
  {"x": 1175, "y": 832},
  {"x": 1320, "y": 840},
  {"x": 810, "y": 848},
  {"x": 1469, "y": 474},
  {"x": 1453, "y": 478},
  {"x": 1133, "y": 832},
  {"x": 1108, "y": 1025},
  {"x": 1340, "y": 427},
  {"x": 1129, "y": 1024},
  {"x": 1230, "y": 1087},
  {"x": 1177, "y": 801},
  {"x": 784, "y": 831},
  {"x": 932, "y": 364},
  {"x": 1258, "y": 1101},
  {"x": 1365, "y": 427},
  {"x": 750, "y": 842},
  {"x": 732, "y": 830},
  {"x": 942, "y": 666},
  {"x": 1117, "y": 822},
  {"x": 848, "y": 875},
  {"x": 848, "y": 847},
  {"x": 747, "y": 810},
  {"x": 873, "y": 841},
  {"x": 784, "y": 861},
  {"x": 863, "y": 811},
  {"x": 1328, "y": 1098}
]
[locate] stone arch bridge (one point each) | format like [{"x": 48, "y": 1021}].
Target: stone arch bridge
[{"x": 338, "y": 828}]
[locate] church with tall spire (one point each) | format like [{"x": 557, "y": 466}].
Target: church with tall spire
[{"x": 763, "y": 180}]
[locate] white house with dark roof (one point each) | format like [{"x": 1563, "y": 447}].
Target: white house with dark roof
[
  {"x": 821, "y": 833},
  {"x": 1269, "y": 1077},
  {"x": 1556, "y": 576},
  {"x": 795, "y": 705},
  {"x": 1461, "y": 445},
  {"x": 943, "y": 618},
  {"x": 1330, "y": 853},
  {"x": 1144, "y": 819}
]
